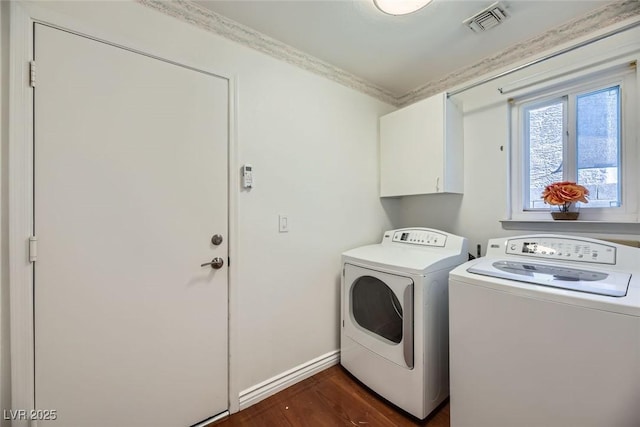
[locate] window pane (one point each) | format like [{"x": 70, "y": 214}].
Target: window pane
[
  {"x": 544, "y": 134},
  {"x": 598, "y": 146}
]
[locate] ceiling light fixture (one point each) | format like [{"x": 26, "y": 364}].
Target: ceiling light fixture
[{"x": 400, "y": 7}]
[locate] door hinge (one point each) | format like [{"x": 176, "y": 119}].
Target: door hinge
[
  {"x": 33, "y": 249},
  {"x": 342, "y": 271},
  {"x": 32, "y": 73}
]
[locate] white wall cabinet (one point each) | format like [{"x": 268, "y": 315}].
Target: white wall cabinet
[{"x": 421, "y": 149}]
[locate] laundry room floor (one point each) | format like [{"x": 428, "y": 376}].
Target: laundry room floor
[{"x": 332, "y": 397}]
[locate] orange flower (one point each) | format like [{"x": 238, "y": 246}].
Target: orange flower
[{"x": 560, "y": 193}]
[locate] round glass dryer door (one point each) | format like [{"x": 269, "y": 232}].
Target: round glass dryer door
[
  {"x": 378, "y": 312},
  {"x": 376, "y": 308}
]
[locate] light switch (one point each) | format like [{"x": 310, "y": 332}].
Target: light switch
[{"x": 284, "y": 223}]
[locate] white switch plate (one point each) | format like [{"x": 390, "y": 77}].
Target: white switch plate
[{"x": 283, "y": 222}]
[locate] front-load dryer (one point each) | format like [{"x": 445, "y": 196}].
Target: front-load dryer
[
  {"x": 394, "y": 321},
  {"x": 545, "y": 331}
]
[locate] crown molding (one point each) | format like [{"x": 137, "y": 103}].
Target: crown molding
[
  {"x": 208, "y": 20},
  {"x": 598, "y": 19}
]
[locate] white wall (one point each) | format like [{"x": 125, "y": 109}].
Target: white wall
[
  {"x": 476, "y": 213},
  {"x": 313, "y": 145}
]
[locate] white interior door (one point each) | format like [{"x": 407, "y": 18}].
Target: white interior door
[{"x": 130, "y": 185}]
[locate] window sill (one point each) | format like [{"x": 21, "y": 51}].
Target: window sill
[{"x": 628, "y": 227}]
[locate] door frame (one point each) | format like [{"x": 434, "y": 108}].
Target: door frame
[{"x": 22, "y": 17}]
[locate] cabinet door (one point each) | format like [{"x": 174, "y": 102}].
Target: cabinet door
[{"x": 412, "y": 149}]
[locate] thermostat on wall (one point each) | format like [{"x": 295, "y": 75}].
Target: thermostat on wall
[{"x": 247, "y": 176}]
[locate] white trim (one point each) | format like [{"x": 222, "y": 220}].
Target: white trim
[
  {"x": 268, "y": 388},
  {"x": 587, "y": 25},
  {"x": 22, "y": 17},
  {"x": 548, "y": 78},
  {"x": 208, "y": 20},
  {"x": 20, "y": 210},
  {"x": 234, "y": 185},
  {"x": 540, "y": 82},
  {"x": 606, "y": 227}
]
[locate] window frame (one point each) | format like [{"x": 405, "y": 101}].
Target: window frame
[{"x": 624, "y": 76}]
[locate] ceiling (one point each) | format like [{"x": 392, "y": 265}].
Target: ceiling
[{"x": 398, "y": 53}]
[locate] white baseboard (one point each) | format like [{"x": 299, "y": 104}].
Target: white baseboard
[{"x": 267, "y": 388}]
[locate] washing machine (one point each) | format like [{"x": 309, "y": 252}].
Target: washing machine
[
  {"x": 394, "y": 328},
  {"x": 545, "y": 331}
]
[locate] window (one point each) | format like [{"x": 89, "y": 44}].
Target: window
[{"x": 582, "y": 131}]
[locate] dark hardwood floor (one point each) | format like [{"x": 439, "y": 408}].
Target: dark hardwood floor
[{"x": 330, "y": 398}]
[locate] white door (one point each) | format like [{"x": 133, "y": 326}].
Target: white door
[{"x": 130, "y": 186}]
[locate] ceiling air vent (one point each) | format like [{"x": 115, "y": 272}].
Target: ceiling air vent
[{"x": 487, "y": 19}]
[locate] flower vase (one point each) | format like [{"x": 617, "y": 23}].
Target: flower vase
[{"x": 566, "y": 212}]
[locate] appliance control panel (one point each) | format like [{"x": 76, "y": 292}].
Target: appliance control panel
[
  {"x": 555, "y": 248},
  {"x": 420, "y": 237}
]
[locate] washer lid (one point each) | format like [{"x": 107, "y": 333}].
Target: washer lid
[{"x": 609, "y": 283}]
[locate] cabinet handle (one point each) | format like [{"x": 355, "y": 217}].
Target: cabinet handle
[{"x": 437, "y": 184}]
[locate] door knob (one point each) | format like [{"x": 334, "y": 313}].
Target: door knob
[{"x": 215, "y": 263}]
